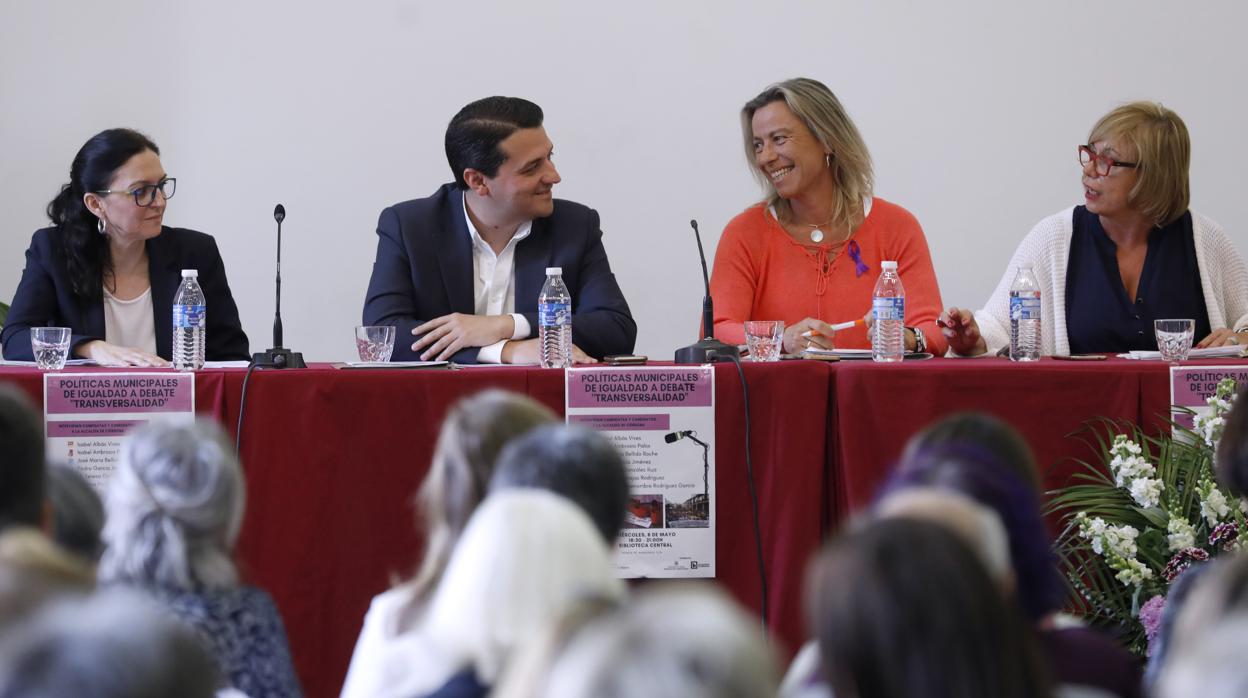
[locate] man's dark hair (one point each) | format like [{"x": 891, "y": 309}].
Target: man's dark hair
[
  {"x": 572, "y": 461},
  {"x": 473, "y": 136},
  {"x": 22, "y": 469}
]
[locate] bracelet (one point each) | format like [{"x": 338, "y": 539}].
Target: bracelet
[{"x": 920, "y": 342}]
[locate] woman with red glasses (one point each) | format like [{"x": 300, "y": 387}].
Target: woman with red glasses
[
  {"x": 109, "y": 268},
  {"x": 1131, "y": 254}
]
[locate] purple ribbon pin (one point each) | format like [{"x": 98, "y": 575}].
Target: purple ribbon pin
[{"x": 855, "y": 253}]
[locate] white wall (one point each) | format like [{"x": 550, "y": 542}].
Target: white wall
[{"x": 972, "y": 111}]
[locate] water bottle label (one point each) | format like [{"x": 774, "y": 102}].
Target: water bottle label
[
  {"x": 190, "y": 316},
  {"x": 1024, "y": 308},
  {"x": 554, "y": 314},
  {"x": 888, "y": 309}
]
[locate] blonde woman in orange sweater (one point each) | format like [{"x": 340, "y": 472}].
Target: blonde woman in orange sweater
[{"x": 810, "y": 253}]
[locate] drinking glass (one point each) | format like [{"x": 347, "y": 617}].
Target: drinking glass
[
  {"x": 764, "y": 339},
  {"x": 1174, "y": 338},
  {"x": 50, "y": 346},
  {"x": 374, "y": 342}
]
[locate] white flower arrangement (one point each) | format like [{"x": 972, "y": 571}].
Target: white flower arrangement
[{"x": 1148, "y": 510}]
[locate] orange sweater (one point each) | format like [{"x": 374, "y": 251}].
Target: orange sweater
[{"x": 761, "y": 273}]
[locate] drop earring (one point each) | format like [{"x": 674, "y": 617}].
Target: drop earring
[{"x": 101, "y": 226}]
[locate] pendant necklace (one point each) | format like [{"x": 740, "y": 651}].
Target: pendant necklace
[{"x": 816, "y": 232}]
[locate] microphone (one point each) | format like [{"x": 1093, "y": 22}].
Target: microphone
[
  {"x": 708, "y": 348},
  {"x": 278, "y": 356},
  {"x": 675, "y": 436}
]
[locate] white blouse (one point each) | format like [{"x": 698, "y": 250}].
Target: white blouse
[{"x": 130, "y": 323}]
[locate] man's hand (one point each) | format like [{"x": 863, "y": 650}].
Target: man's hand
[
  {"x": 529, "y": 351},
  {"x": 443, "y": 336}
]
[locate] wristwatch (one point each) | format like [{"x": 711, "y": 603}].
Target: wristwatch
[{"x": 920, "y": 342}]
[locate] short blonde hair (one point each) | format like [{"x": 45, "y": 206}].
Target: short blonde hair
[
  {"x": 822, "y": 113},
  {"x": 1163, "y": 151}
]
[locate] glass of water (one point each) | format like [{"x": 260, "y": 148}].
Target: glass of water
[
  {"x": 764, "y": 339},
  {"x": 50, "y": 346},
  {"x": 1174, "y": 338},
  {"x": 374, "y": 342}
]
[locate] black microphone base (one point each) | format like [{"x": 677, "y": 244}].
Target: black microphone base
[
  {"x": 706, "y": 351},
  {"x": 278, "y": 357}
]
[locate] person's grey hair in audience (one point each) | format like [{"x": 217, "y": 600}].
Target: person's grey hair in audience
[
  {"x": 1211, "y": 665},
  {"x": 109, "y": 645},
  {"x": 572, "y": 461},
  {"x": 675, "y": 640},
  {"x": 174, "y": 508},
  {"x": 77, "y": 512},
  {"x": 22, "y": 469}
]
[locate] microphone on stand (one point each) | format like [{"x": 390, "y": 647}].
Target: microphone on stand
[
  {"x": 278, "y": 356},
  {"x": 673, "y": 437},
  {"x": 708, "y": 348}
]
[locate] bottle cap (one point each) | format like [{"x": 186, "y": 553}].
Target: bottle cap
[
  {"x": 554, "y": 271},
  {"x": 190, "y": 273},
  {"x": 888, "y": 266}
]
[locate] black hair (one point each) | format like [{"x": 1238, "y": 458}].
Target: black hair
[
  {"x": 473, "y": 136},
  {"x": 86, "y": 251},
  {"x": 22, "y": 469},
  {"x": 572, "y": 461},
  {"x": 903, "y": 608}
]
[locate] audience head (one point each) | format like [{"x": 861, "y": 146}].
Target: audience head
[
  {"x": 903, "y": 608},
  {"x": 93, "y": 170},
  {"x": 977, "y": 526},
  {"x": 573, "y": 461},
  {"x": 34, "y": 571},
  {"x": 672, "y": 641},
  {"x": 1156, "y": 138},
  {"x": 77, "y": 512},
  {"x": 174, "y": 508},
  {"x": 1211, "y": 664},
  {"x": 1231, "y": 462},
  {"x": 1220, "y": 593},
  {"x": 819, "y": 115},
  {"x": 474, "y": 135},
  {"x": 108, "y": 645},
  {"x": 524, "y": 559},
  {"x": 985, "y": 459},
  {"x": 474, "y": 432},
  {"x": 22, "y": 468}
]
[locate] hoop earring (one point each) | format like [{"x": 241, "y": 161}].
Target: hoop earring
[
  {"x": 101, "y": 227},
  {"x": 828, "y": 158}
]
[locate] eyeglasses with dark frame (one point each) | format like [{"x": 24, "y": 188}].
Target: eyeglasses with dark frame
[
  {"x": 1103, "y": 162},
  {"x": 146, "y": 195}
]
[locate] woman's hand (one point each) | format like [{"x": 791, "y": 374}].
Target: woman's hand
[
  {"x": 821, "y": 334},
  {"x": 1219, "y": 338},
  {"x": 106, "y": 354},
  {"x": 959, "y": 327}
]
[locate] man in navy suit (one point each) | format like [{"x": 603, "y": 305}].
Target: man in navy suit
[{"x": 460, "y": 271}]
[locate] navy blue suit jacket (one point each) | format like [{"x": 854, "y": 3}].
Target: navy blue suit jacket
[
  {"x": 45, "y": 297},
  {"x": 424, "y": 270}
]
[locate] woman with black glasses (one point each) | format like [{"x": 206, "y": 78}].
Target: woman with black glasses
[
  {"x": 1131, "y": 254},
  {"x": 108, "y": 269}
]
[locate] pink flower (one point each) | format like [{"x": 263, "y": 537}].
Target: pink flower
[{"x": 1150, "y": 618}]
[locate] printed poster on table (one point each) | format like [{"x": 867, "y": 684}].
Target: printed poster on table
[
  {"x": 87, "y": 414},
  {"x": 1191, "y": 386},
  {"x": 663, "y": 422}
]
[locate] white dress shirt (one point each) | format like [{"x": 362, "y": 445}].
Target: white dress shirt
[{"x": 494, "y": 285}]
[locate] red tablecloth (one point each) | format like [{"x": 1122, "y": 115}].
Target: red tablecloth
[{"x": 333, "y": 459}]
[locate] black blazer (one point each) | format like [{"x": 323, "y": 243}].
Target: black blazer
[
  {"x": 424, "y": 270},
  {"x": 45, "y": 297}
]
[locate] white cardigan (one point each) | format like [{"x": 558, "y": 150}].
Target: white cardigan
[{"x": 1046, "y": 248}]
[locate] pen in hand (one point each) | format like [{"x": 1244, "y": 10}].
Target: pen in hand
[{"x": 838, "y": 327}]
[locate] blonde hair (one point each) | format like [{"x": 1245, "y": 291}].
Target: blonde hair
[
  {"x": 1163, "y": 151},
  {"x": 473, "y": 434},
  {"x": 822, "y": 113}
]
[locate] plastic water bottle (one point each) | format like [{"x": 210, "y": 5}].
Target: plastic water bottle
[
  {"x": 190, "y": 323},
  {"x": 1025, "y": 316},
  {"x": 888, "y": 308},
  {"x": 554, "y": 318}
]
